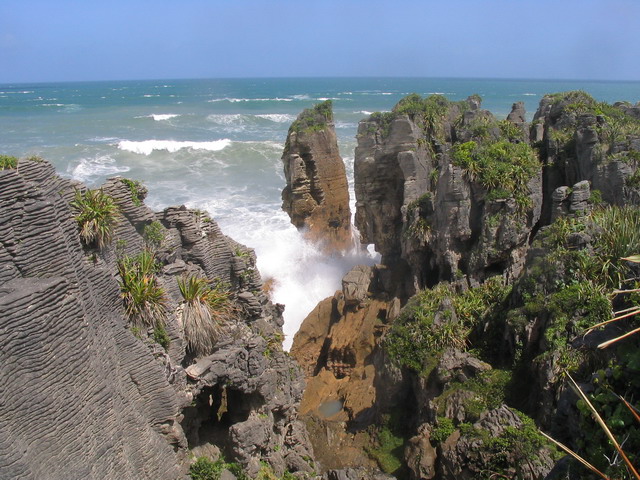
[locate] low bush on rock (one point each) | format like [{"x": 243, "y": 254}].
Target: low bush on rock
[{"x": 7, "y": 162}]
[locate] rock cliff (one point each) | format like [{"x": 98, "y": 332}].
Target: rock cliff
[
  {"x": 446, "y": 191},
  {"x": 316, "y": 196},
  {"x": 502, "y": 240},
  {"x": 90, "y": 390}
]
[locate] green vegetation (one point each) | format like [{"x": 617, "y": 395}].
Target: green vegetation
[
  {"x": 144, "y": 298},
  {"x": 443, "y": 430},
  {"x": 161, "y": 337},
  {"x": 488, "y": 389},
  {"x": 383, "y": 119},
  {"x": 206, "y": 469},
  {"x": 515, "y": 448},
  {"x": 437, "y": 319},
  {"x": 502, "y": 168},
  {"x": 511, "y": 132},
  {"x": 138, "y": 191},
  {"x": 205, "y": 309},
  {"x": 153, "y": 235},
  {"x": 7, "y": 162},
  {"x": 387, "y": 447},
  {"x": 614, "y": 127},
  {"x": 97, "y": 216},
  {"x": 313, "y": 119}
]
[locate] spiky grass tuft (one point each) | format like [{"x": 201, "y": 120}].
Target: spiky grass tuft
[
  {"x": 97, "y": 215},
  {"x": 205, "y": 309},
  {"x": 144, "y": 298}
]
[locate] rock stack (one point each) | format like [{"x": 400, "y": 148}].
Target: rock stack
[{"x": 316, "y": 196}]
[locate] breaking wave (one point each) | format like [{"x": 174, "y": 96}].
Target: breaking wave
[{"x": 146, "y": 147}]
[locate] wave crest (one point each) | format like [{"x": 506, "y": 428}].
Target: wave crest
[{"x": 146, "y": 147}]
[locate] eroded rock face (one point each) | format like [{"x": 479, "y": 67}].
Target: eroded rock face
[
  {"x": 316, "y": 196},
  {"x": 81, "y": 396},
  {"x": 121, "y": 405},
  {"x": 347, "y": 379},
  {"x": 422, "y": 206},
  {"x": 581, "y": 140}
]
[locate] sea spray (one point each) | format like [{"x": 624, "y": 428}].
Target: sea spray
[{"x": 301, "y": 275}]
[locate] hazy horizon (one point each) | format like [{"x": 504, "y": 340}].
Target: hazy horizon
[{"x": 69, "y": 40}]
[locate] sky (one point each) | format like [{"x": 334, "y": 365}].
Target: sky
[{"x": 78, "y": 40}]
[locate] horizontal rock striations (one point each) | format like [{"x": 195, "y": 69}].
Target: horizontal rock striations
[
  {"x": 81, "y": 396},
  {"x": 445, "y": 190},
  {"x": 88, "y": 392},
  {"x": 316, "y": 196},
  {"x": 503, "y": 241}
]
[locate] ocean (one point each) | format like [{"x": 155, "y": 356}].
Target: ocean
[{"x": 216, "y": 145}]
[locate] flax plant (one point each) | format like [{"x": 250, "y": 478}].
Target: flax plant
[{"x": 205, "y": 309}]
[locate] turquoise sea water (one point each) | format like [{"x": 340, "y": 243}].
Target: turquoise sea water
[{"x": 216, "y": 145}]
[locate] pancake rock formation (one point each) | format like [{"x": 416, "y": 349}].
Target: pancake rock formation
[
  {"x": 316, "y": 196},
  {"x": 96, "y": 388}
]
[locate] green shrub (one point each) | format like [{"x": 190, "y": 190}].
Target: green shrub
[
  {"x": 161, "y": 337},
  {"x": 153, "y": 235},
  {"x": 205, "y": 310},
  {"x": 504, "y": 166},
  {"x": 144, "y": 298},
  {"x": 415, "y": 339},
  {"x": 313, "y": 119},
  {"x": 511, "y": 131},
  {"x": 7, "y": 162},
  {"x": 137, "y": 190},
  {"x": 443, "y": 430},
  {"x": 97, "y": 215},
  {"x": 205, "y": 469}
]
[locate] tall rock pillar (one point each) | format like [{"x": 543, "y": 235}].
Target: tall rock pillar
[{"x": 316, "y": 196}]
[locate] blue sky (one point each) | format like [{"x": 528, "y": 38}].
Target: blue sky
[{"x": 67, "y": 40}]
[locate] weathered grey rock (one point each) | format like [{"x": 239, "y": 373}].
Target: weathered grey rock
[
  {"x": 517, "y": 114},
  {"x": 355, "y": 284},
  {"x": 80, "y": 392},
  {"x": 421, "y": 456},
  {"x": 356, "y": 474},
  {"x": 425, "y": 214},
  {"x": 96, "y": 392}
]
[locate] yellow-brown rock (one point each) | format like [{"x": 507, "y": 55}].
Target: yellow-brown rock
[{"x": 316, "y": 196}]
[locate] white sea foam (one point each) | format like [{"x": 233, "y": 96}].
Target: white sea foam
[
  {"x": 277, "y": 117},
  {"x": 365, "y": 112},
  {"x": 163, "y": 116},
  {"x": 146, "y": 147},
  {"x": 301, "y": 274},
  {"x": 236, "y": 100},
  {"x": 530, "y": 94},
  {"x": 233, "y": 119},
  {"x": 99, "y": 166}
]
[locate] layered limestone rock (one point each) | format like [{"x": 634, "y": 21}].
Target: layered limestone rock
[
  {"x": 438, "y": 193},
  {"x": 453, "y": 200},
  {"x": 584, "y": 140},
  {"x": 81, "y": 396},
  {"x": 316, "y": 196},
  {"x": 90, "y": 395}
]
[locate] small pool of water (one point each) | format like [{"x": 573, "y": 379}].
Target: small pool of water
[{"x": 328, "y": 409}]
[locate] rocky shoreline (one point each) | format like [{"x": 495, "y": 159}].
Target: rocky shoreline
[{"x": 498, "y": 242}]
